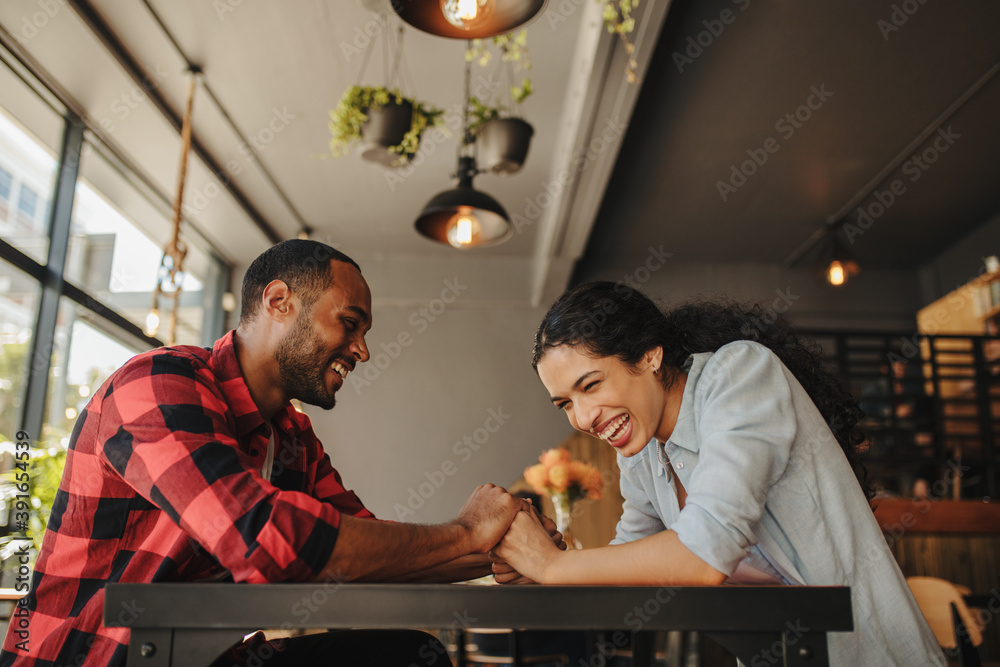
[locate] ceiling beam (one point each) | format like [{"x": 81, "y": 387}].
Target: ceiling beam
[
  {"x": 129, "y": 64},
  {"x": 599, "y": 103}
]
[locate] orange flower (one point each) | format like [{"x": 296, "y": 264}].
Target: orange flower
[
  {"x": 559, "y": 477},
  {"x": 538, "y": 477},
  {"x": 557, "y": 472},
  {"x": 554, "y": 456},
  {"x": 594, "y": 484}
]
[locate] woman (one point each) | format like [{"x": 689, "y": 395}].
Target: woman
[{"x": 737, "y": 456}]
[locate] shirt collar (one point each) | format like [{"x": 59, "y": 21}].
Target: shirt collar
[
  {"x": 685, "y": 433},
  {"x": 230, "y": 376}
]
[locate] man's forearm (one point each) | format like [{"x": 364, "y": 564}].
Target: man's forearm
[
  {"x": 368, "y": 550},
  {"x": 463, "y": 568}
]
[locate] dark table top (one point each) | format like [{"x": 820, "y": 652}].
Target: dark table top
[
  {"x": 751, "y": 616},
  {"x": 201, "y": 605}
]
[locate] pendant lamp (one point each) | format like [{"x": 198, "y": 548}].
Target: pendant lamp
[
  {"x": 464, "y": 217},
  {"x": 467, "y": 19},
  {"x": 838, "y": 263}
]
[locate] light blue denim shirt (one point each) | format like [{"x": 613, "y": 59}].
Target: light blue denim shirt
[{"x": 768, "y": 482}]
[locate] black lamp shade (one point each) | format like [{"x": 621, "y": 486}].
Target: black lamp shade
[
  {"x": 507, "y": 15},
  {"x": 437, "y": 214}
]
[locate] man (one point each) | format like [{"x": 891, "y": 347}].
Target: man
[{"x": 190, "y": 464}]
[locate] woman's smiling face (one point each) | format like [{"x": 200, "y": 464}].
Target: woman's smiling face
[{"x": 604, "y": 397}]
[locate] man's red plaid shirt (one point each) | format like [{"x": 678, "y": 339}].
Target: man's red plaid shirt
[{"x": 163, "y": 483}]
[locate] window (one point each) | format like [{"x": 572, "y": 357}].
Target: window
[
  {"x": 5, "y": 181},
  {"x": 27, "y": 201},
  {"x": 116, "y": 258},
  {"x": 105, "y": 258},
  {"x": 19, "y": 294},
  {"x": 85, "y": 352},
  {"x": 28, "y": 169}
]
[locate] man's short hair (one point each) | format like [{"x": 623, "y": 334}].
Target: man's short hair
[{"x": 302, "y": 265}]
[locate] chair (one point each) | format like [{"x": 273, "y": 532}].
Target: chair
[{"x": 954, "y": 625}]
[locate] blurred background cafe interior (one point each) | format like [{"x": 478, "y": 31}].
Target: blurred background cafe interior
[{"x": 838, "y": 163}]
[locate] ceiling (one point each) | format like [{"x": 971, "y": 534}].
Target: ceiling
[
  {"x": 886, "y": 83},
  {"x": 640, "y": 164}
]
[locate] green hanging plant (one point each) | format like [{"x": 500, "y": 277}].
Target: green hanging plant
[
  {"x": 619, "y": 21},
  {"x": 351, "y": 114},
  {"x": 513, "y": 48},
  {"x": 479, "y": 114}
]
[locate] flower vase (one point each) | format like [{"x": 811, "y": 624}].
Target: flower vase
[{"x": 564, "y": 518}]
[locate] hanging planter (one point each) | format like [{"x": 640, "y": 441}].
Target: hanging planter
[
  {"x": 502, "y": 140},
  {"x": 384, "y": 131},
  {"x": 503, "y": 144},
  {"x": 387, "y": 125}
]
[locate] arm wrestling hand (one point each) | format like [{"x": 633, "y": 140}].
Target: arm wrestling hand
[
  {"x": 487, "y": 514},
  {"x": 550, "y": 527},
  {"x": 527, "y": 547},
  {"x": 503, "y": 573}
]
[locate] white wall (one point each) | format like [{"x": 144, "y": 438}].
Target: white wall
[{"x": 392, "y": 435}]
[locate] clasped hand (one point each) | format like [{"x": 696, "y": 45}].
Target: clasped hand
[{"x": 531, "y": 541}]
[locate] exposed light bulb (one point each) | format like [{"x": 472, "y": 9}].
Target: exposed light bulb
[
  {"x": 152, "y": 322},
  {"x": 466, "y": 14},
  {"x": 464, "y": 229},
  {"x": 835, "y": 273}
]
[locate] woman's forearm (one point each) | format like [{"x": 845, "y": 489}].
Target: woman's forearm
[{"x": 659, "y": 559}]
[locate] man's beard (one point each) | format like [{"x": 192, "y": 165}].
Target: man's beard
[{"x": 302, "y": 367}]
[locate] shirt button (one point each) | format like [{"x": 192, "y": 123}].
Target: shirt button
[
  {"x": 254, "y": 452},
  {"x": 671, "y": 446},
  {"x": 679, "y": 465}
]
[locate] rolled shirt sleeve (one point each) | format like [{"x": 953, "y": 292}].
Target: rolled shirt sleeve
[
  {"x": 183, "y": 458},
  {"x": 746, "y": 425}
]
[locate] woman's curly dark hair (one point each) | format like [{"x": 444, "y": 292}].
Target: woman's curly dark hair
[{"x": 614, "y": 320}]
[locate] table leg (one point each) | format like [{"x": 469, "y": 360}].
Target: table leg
[
  {"x": 460, "y": 648},
  {"x": 643, "y": 648}
]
